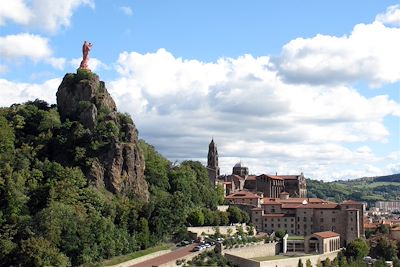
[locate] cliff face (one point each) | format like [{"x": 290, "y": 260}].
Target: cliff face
[{"x": 120, "y": 167}]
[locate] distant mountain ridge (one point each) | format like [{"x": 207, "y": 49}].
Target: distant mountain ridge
[{"x": 368, "y": 189}]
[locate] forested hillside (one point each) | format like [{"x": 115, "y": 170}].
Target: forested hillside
[
  {"x": 369, "y": 189},
  {"x": 52, "y": 214}
]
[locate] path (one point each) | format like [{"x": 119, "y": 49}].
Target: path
[{"x": 172, "y": 256}]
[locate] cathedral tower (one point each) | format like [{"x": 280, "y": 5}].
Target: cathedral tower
[{"x": 212, "y": 162}]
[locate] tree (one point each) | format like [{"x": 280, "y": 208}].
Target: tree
[
  {"x": 327, "y": 262},
  {"x": 280, "y": 233},
  {"x": 385, "y": 249},
  {"x": 308, "y": 263},
  {"x": 143, "y": 233},
  {"x": 383, "y": 229},
  {"x": 234, "y": 214},
  {"x": 41, "y": 252},
  {"x": 357, "y": 249},
  {"x": 250, "y": 230},
  {"x": 300, "y": 263},
  {"x": 195, "y": 218}
]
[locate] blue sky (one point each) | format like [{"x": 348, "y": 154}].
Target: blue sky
[{"x": 287, "y": 87}]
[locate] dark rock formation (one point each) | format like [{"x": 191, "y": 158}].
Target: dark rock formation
[{"x": 120, "y": 167}]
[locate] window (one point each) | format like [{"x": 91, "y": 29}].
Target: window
[
  {"x": 285, "y": 225},
  {"x": 304, "y": 219},
  {"x": 279, "y": 220},
  {"x": 285, "y": 220},
  {"x": 279, "y": 225},
  {"x": 292, "y": 225},
  {"x": 321, "y": 219},
  {"x": 351, "y": 228},
  {"x": 266, "y": 225},
  {"x": 256, "y": 220},
  {"x": 351, "y": 219},
  {"x": 272, "y": 225}
]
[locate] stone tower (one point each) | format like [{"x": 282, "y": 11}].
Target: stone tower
[{"x": 212, "y": 162}]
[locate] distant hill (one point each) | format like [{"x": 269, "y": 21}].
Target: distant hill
[{"x": 368, "y": 189}]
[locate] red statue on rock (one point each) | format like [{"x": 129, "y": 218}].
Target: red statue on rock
[{"x": 85, "y": 51}]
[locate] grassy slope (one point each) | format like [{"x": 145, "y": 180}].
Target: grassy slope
[{"x": 368, "y": 189}]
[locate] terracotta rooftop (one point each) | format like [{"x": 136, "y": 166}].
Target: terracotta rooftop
[
  {"x": 370, "y": 225},
  {"x": 289, "y": 177},
  {"x": 251, "y": 178},
  {"x": 242, "y": 194},
  {"x": 326, "y": 234}
]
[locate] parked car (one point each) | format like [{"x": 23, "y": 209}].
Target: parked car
[
  {"x": 197, "y": 248},
  {"x": 183, "y": 243}
]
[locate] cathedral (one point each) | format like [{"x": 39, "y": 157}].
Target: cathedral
[{"x": 268, "y": 185}]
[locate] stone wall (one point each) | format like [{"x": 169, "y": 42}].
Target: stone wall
[
  {"x": 252, "y": 251},
  {"x": 286, "y": 262},
  {"x": 209, "y": 230}
]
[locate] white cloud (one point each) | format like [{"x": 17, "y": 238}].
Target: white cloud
[
  {"x": 31, "y": 46},
  {"x": 94, "y": 63},
  {"x": 14, "y": 92},
  {"x": 26, "y": 45},
  {"x": 370, "y": 53},
  {"x": 16, "y": 11},
  {"x": 127, "y": 10},
  {"x": 48, "y": 15},
  {"x": 252, "y": 113},
  {"x": 391, "y": 16}
]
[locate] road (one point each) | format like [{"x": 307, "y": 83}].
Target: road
[{"x": 172, "y": 256}]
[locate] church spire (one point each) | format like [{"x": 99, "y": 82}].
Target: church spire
[{"x": 212, "y": 162}]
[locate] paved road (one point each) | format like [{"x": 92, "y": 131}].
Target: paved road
[{"x": 172, "y": 256}]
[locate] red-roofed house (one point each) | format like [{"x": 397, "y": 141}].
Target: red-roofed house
[
  {"x": 305, "y": 216},
  {"x": 244, "y": 197}
]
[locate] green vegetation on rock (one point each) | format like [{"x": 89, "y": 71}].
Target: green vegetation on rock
[{"x": 52, "y": 214}]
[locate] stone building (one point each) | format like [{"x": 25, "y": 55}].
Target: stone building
[
  {"x": 305, "y": 216},
  {"x": 240, "y": 179}
]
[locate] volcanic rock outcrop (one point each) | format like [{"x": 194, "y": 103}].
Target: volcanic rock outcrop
[{"x": 120, "y": 167}]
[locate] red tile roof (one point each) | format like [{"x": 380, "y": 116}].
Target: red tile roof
[
  {"x": 370, "y": 225},
  {"x": 251, "y": 178},
  {"x": 326, "y": 234},
  {"x": 289, "y": 177},
  {"x": 242, "y": 194}
]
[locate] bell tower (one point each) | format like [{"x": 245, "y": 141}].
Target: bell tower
[{"x": 212, "y": 162}]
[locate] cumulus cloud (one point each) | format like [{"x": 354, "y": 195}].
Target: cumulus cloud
[
  {"x": 126, "y": 10},
  {"x": 252, "y": 113},
  {"x": 47, "y": 15},
  {"x": 14, "y": 92},
  {"x": 30, "y": 46},
  {"x": 27, "y": 45},
  {"x": 391, "y": 16},
  {"x": 16, "y": 11},
  {"x": 370, "y": 53}
]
